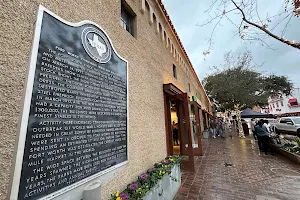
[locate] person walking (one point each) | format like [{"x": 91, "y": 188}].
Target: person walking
[
  {"x": 263, "y": 137},
  {"x": 213, "y": 127},
  {"x": 222, "y": 128},
  {"x": 253, "y": 123},
  {"x": 217, "y": 127}
]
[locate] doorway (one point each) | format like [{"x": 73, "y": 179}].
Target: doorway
[
  {"x": 195, "y": 112},
  {"x": 177, "y": 116}
]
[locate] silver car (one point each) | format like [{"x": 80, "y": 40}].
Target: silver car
[{"x": 289, "y": 125}]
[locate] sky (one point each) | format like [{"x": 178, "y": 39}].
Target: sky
[{"x": 280, "y": 60}]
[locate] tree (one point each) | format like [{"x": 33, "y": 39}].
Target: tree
[
  {"x": 237, "y": 84},
  {"x": 253, "y": 27}
]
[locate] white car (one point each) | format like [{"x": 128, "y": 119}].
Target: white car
[{"x": 289, "y": 125}]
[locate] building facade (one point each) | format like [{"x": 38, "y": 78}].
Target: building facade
[
  {"x": 284, "y": 106},
  {"x": 162, "y": 83}
]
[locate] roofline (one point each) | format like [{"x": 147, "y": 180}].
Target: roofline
[{"x": 165, "y": 13}]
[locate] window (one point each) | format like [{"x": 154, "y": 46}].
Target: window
[
  {"x": 127, "y": 18},
  {"x": 277, "y": 104},
  {"x": 282, "y": 121},
  {"x": 189, "y": 88},
  {"x": 174, "y": 71},
  {"x": 288, "y": 120},
  {"x": 273, "y": 105},
  {"x": 281, "y": 103},
  {"x": 296, "y": 120}
]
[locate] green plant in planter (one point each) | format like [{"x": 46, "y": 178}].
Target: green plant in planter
[
  {"x": 292, "y": 146},
  {"x": 297, "y": 141},
  {"x": 147, "y": 180}
]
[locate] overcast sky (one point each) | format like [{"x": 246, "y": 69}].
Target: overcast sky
[{"x": 284, "y": 60}]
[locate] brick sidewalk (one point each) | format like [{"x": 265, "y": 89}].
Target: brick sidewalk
[{"x": 250, "y": 177}]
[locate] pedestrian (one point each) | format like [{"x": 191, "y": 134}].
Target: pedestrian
[
  {"x": 263, "y": 137},
  {"x": 217, "y": 127},
  {"x": 266, "y": 123},
  {"x": 229, "y": 128},
  {"x": 245, "y": 127},
  {"x": 253, "y": 123},
  {"x": 213, "y": 127},
  {"x": 222, "y": 128},
  {"x": 175, "y": 134},
  {"x": 235, "y": 126}
]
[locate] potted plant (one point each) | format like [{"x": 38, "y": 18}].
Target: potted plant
[{"x": 159, "y": 182}]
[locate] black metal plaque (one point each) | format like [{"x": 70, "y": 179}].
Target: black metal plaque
[{"x": 77, "y": 125}]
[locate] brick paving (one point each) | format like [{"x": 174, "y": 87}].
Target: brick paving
[{"x": 250, "y": 177}]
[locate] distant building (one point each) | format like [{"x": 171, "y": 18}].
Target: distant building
[{"x": 284, "y": 106}]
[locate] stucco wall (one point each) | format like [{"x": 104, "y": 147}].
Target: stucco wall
[{"x": 150, "y": 65}]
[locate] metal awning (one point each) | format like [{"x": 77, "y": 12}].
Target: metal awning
[{"x": 293, "y": 100}]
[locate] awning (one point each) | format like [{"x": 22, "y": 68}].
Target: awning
[
  {"x": 293, "y": 100},
  {"x": 248, "y": 113},
  {"x": 171, "y": 89}
]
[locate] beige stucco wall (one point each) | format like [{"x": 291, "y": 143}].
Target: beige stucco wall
[{"x": 150, "y": 65}]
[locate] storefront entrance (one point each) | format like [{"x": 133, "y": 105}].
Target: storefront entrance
[
  {"x": 195, "y": 111},
  {"x": 177, "y": 116}
]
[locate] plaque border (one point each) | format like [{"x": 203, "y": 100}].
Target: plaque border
[{"x": 16, "y": 169}]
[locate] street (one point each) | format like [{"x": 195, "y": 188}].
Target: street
[{"x": 234, "y": 169}]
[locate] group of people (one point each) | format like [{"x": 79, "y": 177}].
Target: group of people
[
  {"x": 217, "y": 127},
  {"x": 261, "y": 132},
  {"x": 260, "y": 129}
]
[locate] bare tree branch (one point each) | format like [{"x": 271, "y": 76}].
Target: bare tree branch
[
  {"x": 263, "y": 28},
  {"x": 211, "y": 6},
  {"x": 216, "y": 17},
  {"x": 291, "y": 14},
  {"x": 252, "y": 26},
  {"x": 257, "y": 13},
  {"x": 286, "y": 25}
]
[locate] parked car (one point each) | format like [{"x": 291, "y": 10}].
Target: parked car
[{"x": 289, "y": 125}]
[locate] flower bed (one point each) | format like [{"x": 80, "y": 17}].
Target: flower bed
[
  {"x": 291, "y": 144},
  {"x": 289, "y": 147},
  {"x": 153, "y": 183}
]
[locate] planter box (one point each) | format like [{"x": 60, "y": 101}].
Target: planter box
[
  {"x": 166, "y": 188},
  {"x": 291, "y": 156}
]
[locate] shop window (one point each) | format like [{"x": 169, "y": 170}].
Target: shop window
[
  {"x": 128, "y": 18},
  {"x": 174, "y": 71}
]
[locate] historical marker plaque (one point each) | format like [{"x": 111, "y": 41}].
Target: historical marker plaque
[{"x": 74, "y": 120}]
